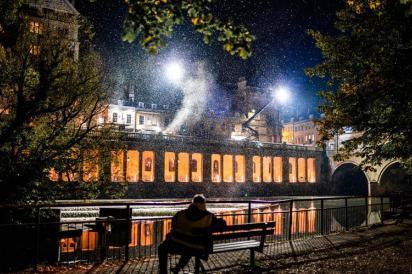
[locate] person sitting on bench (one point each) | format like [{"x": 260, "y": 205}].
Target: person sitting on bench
[{"x": 181, "y": 240}]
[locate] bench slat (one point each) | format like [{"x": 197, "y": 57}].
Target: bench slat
[
  {"x": 249, "y": 226},
  {"x": 242, "y": 234},
  {"x": 235, "y": 246},
  {"x": 236, "y": 243}
]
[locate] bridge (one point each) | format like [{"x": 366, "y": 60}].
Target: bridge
[{"x": 373, "y": 177}]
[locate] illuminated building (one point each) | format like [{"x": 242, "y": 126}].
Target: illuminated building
[
  {"x": 153, "y": 117},
  {"x": 53, "y": 15},
  {"x": 300, "y": 132}
]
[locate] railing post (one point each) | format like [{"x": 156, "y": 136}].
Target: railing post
[
  {"x": 381, "y": 209},
  {"x": 322, "y": 229},
  {"x": 346, "y": 215},
  {"x": 367, "y": 210},
  {"x": 290, "y": 219},
  {"x": 128, "y": 231},
  {"x": 249, "y": 212},
  {"x": 36, "y": 240}
]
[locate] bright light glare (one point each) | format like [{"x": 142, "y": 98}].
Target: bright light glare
[
  {"x": 282, "y": 94},
  {"x": 174, "y": 72}
]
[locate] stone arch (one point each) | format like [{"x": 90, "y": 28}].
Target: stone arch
[
  {"x": 393, "y": 177},
  {"x": 385, "y": 168},
  {"x": 347, "y": 179}
]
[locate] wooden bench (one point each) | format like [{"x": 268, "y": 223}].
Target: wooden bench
[{"x": 249, "y": 236}]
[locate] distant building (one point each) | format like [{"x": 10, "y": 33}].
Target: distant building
[
  {"x": 300, "y": 132},
  {"x": 144, "y": 118},
  {"x": 137, "y": 115},
  {"x": 53, "y": 15}
]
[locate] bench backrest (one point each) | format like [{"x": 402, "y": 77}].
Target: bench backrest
[{"x": 245, "y": 231}]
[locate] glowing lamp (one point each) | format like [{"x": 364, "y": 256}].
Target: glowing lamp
[
  {"x": 174, "y": 72},
  {"x": 282, "y": 94}
]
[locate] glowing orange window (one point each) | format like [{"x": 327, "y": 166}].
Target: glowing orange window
[
  {"x": 302, "y": 170},
  {"x": 240, "y": 168},
  {"x": 132, "y": 166},
  {"x": 170, "y": 167},
  {"x": 292, "y": 170},
  {"x": 183, "y": 167},
  {"x": 216, "y": 163},
  {"x": 257, "y": 169},
  {"x": 228, "y": 168},
  {"x": 267, "y": 169},
  {"x": 311, "y": 170},
  {"x": 277, "y": 169},
  {"x": 196, "y": 167},
  {"x": 148, "y": 166}
]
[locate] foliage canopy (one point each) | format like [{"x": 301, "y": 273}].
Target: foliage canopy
[
  {"x": 153, "y": 21},
  {"x": 368, "y": 68},
  {"x": 49, "y": 104}
]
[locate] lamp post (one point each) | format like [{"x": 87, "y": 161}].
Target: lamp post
[{"x": 281, "y": 96}]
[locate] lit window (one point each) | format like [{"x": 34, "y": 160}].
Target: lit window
[
  {"x": 115, "y": 115},
  {"x": 197, "y": 167},
  {"x": 216, "y": 168},
  {"x": 35, "y": 50},
  {"x": 228, "y": 168},
  {"x": 311, "y": 170},
  {"x": 129, "y": 119},
  {"x": 148, "y": 158},
  {"x": 132, "y": 166},
  {"x": 277, "y": 169},
  {"x": 267, "y": 169},
  {"x": 183, "y": 167},
  {"x": 36, "y": 27},
  {"x": 302, "y": 170},
  {"x": 292, "y": 170},
  {"x": 257, "y": 169},
  {"x": 170, "y": 166},
  {"x": 240, "y": 168}
]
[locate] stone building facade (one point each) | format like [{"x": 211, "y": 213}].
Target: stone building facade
[
  {"x": 300, "y": 132},
  {"x": 177, "y": 166},
  {"x": 58, "y": 16}
]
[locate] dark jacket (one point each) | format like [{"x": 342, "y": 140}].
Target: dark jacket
[{"x": 193, "y": 227}]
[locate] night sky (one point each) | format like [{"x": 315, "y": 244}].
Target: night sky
[{"x": 281, "y": 52}]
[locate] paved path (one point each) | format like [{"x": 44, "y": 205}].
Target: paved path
[{"x": 277, "y": 257}]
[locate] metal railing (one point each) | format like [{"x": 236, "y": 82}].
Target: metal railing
[{"x": 88, "y": 239}]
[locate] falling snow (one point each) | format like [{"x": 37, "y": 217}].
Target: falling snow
[{"x": 281, "y": 52}]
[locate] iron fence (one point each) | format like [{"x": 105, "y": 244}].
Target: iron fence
[{"x": 91, "y": 238}]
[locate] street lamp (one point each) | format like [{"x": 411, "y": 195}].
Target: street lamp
[
  {"x": 174, "y": 72},
  {"x": 281, "y": 96}
]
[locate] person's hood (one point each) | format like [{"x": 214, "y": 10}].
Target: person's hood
[{"x": 194, "y": 213}]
